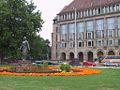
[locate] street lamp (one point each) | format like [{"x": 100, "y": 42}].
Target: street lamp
[{"x": 76, "y": 61}]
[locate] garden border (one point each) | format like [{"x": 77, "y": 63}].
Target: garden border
[{"x": 84, "y": 71}]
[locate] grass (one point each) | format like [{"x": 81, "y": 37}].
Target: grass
[{"x": 108, "y": 80}]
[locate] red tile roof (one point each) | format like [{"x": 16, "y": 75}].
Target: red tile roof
[{"x": 83, "y": 4}]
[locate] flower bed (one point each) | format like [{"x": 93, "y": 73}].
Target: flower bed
[{"x": 84, "y": 71}]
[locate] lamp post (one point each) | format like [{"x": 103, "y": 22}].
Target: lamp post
[
  {"x": 76, "y": 61},
  {"x": 75, "y": 36}
]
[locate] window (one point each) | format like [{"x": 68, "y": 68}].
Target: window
[
  {"x": 89, "y": 35},
  {"x": 63, "y": 29},
  {"x": 77, "y": 14},
  {"x": 114, "y": 7},
  {"x": 110, "y": 42},
  {"x": 99, "y": 11},
  {"x": 110, "y": 23},
  {"x": 118, "y": 42},
  {"x": 80, "y": 44},
  {"x": 99, "y": 34},
  {"x": 71, "y": 28},
  {"x": 80, "y": 27},
  {"x": 104, "y": 10},
  {"x": 80, "y": 36},
  {"x": 100, "y": 43},
  {"x": 62, "y": 37},
  {"x": 90, "y": 26},
  {"x": 72, "y": 44},
  {"x": 71, "y": 36},
  {"x": 107, "y": 9},
  {"x": 117, "y": 7},
  {"x": 118, "y": 22},
  {"x": 84, "y": 13},
  {"x": 118, "y": 33},
  {"x": 110, "y": 33},
  {"x": 90, "y": 43},
  {"x": 81, "y": 14},
  {"x": 111, "y": 8},
  {"x": 69, "y": 15},
  {"x": 94, "y": 12},
  {"x": 90, "y": 12},
  {"x": 99, "y": 24},
  {"x": 72, "y": 16},
  {"x": 87, "y": 13},
  {"x": 63, "y": 45}
]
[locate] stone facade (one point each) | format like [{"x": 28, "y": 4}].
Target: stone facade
[{"x": 90, "y": 45}]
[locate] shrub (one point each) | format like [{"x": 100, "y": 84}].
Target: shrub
[
  {"x": 38, "y": 66},
  {"x": 68, "y": 68},
  {"x": 62, "y": 67},
  {"x": 45, "y": 64},
  {"x": 65, "y": 67}
]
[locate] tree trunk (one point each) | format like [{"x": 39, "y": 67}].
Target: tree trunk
[{"x": 1, "y": 58}]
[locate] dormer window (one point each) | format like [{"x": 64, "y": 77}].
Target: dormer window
[
  {"x": 93, "y": 11},
  {"x": 111, "y": 8},
  {"x": 98, "y": 10},
  {"x": 104, "y": 11},
  {"x": 114, "y": 6},
  {"x": 90, "y": 12},
  {"x": 107, "y": 9}
]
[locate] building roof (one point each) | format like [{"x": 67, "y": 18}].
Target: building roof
[{"x": 84, "y": 4}]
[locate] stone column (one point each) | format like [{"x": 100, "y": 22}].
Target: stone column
[
  {"x": 67, "y": 56},
  {"x": 85, "y": 34},
  {"x": 85, "y": 56},
  {"x": 94, "y": 33}
]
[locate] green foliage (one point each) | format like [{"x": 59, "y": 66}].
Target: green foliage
[
  {"x": 45, "y": 64},
  {"x": 18, "y": 19},
  {"x": 39, "y": 48},
  {"x": 39, "y": 66},
  {"x": 65, "y": 67}
]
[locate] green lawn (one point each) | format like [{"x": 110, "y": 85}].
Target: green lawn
[{"x": 108, "y": 80}]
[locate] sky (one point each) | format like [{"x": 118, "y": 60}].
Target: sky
[{"x": 49, "y": 9}]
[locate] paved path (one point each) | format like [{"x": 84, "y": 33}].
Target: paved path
[{"x": 98, "y": 67}]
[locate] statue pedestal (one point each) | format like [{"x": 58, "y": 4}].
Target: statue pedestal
[
  {"x": 76, "y": 62},
  {"x": 24, "y": 66}
]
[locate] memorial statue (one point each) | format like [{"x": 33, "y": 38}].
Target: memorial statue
[{"x": 24, "y": 48}]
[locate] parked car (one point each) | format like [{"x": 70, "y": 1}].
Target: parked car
[
  {"x": 13, "y": 61},
  {"x": 38, "y": 62},
  {"x": 71, "y": 63},
  {"x": 110, "y": 64},
  {"x": 52, "y": 63},
  {"x": 49, "y": 62},
  {"x": 88, "y": 64}
]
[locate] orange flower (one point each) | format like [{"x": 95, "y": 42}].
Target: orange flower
[{"x": 84, "y": 71}]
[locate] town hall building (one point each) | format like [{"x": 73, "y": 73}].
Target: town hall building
[{"x": 86, "y": 29}]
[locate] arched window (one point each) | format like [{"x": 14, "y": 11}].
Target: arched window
[
  {"x": 80, "y": 55},
  {"x": 71, "y": 56},
  {"x": 90, "y": 56},
  {"x": 100, "y": 54},
  {"x": 63, "y": 56},
  {"x": 111, "y": 53}
]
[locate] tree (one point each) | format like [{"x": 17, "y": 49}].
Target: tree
[
  {"x": 18, "y": 18},
  {"x": 39, "y": 49}
]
